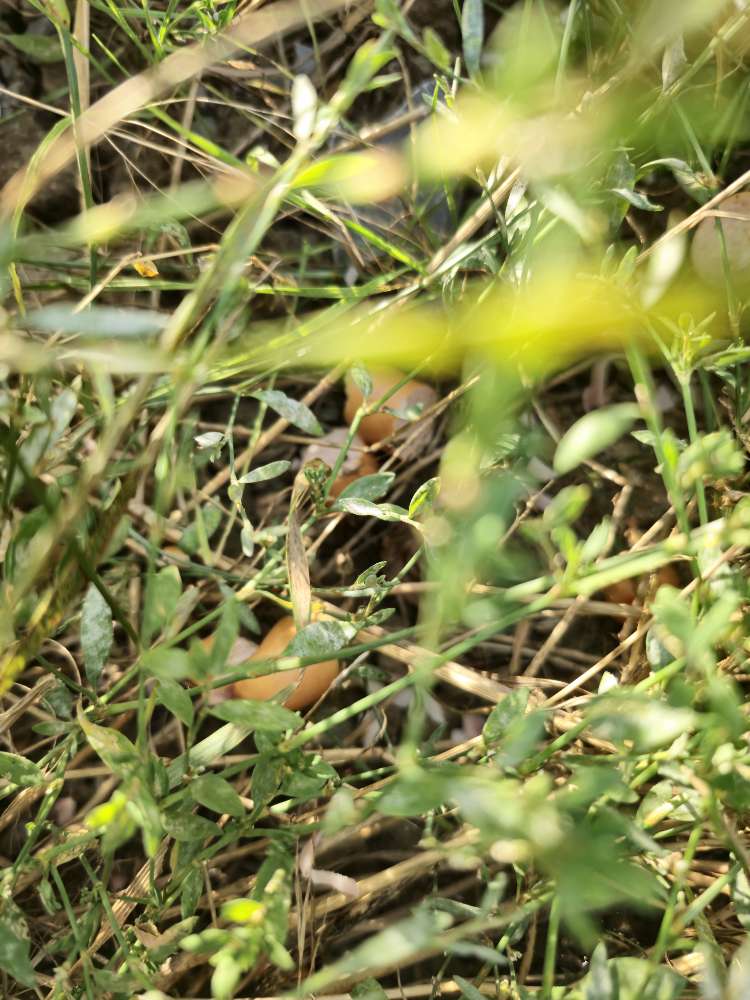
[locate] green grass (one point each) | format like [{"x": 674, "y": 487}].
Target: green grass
[{"x": 519, "y": 786}]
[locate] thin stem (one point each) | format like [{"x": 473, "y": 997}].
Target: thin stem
[{"x": 550, "y": 950}]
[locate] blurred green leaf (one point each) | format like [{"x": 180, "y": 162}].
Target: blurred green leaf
[
  {"x": 512, "y": 707},
  {"x": 637, "y": 199},
  {"x": 190, "y": 539},
  {"x": 103, "y": 322},
  {"x": 472, "y": 32},
  {"x": 15, "y": 946},
  {"x": 41, "y": 48},
  {"x": 593, "y": 433}
]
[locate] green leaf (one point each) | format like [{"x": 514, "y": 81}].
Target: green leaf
[
  {"x": 19, "y": 770},
  {"x": 520, "y": 740},
  {"x": 217, "y": 794},
  {"x": 267, "y": 776},
  {"x": 369, "y": 487},
  {"x": 413, "y": 794},
  {"x": 14, "y": 946},
  {"x": 593, "y": 433},
  {"x": 323, "y": 639},
  {"x": 424, "y": 497},
  {"x": 435, "y": 49},
  {"x": 397, "y": 944},
  {"x": 387, "y": 246},
  {"x": 468, "y": 990},
  {"x": 567, "y": 506},
  {"x": 265, "y": 716},
  {"x": 225, "y": 637},
  {"x": 41, "y": 48},
  {"x": 637, "y": 200},
  {"x": 738, "y": 984},
  {"x": 692, "y": 183},
  {"x": 264, "y": 472},
  {"x": 290, "y": 409},
  {"x": 358, "y": 373},
  {"x": 141, "y": 805},
  {"x": 601, "y": 985},
  {"x": 113, "y": 747},
  {"x": 365, "y": 508},
  {"x": 190, "y": 540},
  {"x": 472, "y": 31},
  {"x": 186, "y": 826},
  {"x": 596, "y": 543},
  {"x": 241, "y": 911},
  {"x": 205, "y": 752},
  {"x": 97, "y": 632},
  {"x": 163, "y": 591},
  {"x": 364, "y": 64},
  {"x": 741, "y": 899},
  {"x": 191, "y": 891},
  {"x": 176, "y": 699},
  {"x": 307, "y": 775},
  {"x": 341, "y": 812},
  {"x": 167, "y": 664},
  {"x": 369, "y": 989},
  {"x": 57, "y": 11},
  {"x": 710, "y": 457},
  {"x": 512, "y": 707},
  {"x": 226, "y": 976},
  {"x": 649, "y": 723},
  {"x": 96, "y": 321},
  {"x": 636, "y": 979},
  {"x": 470, "y": 949}
]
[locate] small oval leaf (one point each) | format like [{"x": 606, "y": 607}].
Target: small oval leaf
[
  {"x": 264, "y": 472},
  {"x": 290, "y": 409},
  {"x": 593, "y": 433},
  {"x": 371, "y": 487}
]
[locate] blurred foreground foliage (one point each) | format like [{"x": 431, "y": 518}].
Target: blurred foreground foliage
[{"x": 559, "y": 158}]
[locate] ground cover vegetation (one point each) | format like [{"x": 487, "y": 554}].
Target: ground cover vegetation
[{"x": 373, "y": 468}]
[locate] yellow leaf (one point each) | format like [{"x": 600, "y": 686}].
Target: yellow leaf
[{"x": 145, "y": 267}]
